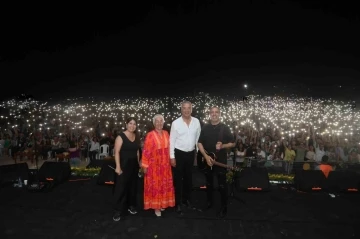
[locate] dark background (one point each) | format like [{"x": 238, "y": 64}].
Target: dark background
[{"x": 178, "y": 48}]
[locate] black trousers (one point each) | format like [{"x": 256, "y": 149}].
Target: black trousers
[
  {"x": 125, "y": 187},
  {"x": 220, "y": 173},
  {"x": 92, "y": 155},
  {"x": 183, "y": 175}
]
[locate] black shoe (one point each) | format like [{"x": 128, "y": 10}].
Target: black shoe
[
  {"x": 178, "y": 210},
  {"x": 117, "y": 216},
  {"x": 132, "y": 210},
  {"x": 222, "y": 213},
  {"x": 188, "y": 204}
]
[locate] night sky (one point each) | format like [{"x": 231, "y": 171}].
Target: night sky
[{"x": 156, "y": 48}]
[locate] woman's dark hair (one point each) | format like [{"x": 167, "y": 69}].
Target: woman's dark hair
[
  {"x": 238, "y": 144},
  {"x": 137, "y": 135},
  {"x": 130, "y": 119}
]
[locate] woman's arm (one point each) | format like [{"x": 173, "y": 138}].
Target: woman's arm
[
  {"x": 138, "y": 157},
  {"x": 117, "y": 148}
]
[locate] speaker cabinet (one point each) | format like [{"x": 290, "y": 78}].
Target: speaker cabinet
[
  {"x": 107, "y": 173},
  {"x": 58, "y": 172},
  {"x": 343, "y": 181},
  {"x": 12, "y": 172},
  {"x": 310, "y": 180},
  {"x": 252, "y": 179}
]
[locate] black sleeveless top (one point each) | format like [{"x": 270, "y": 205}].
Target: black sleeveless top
[{"x": 128, "y": 151}]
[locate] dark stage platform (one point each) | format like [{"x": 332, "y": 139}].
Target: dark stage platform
[{"x": 82, "y": 209}]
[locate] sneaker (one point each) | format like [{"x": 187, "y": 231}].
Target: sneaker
[
  {"x": 116, "y": 216},
  {"x": 162, "y": 209},
  {"x": 132, "y": 210}
]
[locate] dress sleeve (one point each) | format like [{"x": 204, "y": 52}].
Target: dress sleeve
[{"x": 147, "y": 151}]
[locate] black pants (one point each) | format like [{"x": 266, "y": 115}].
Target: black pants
[
  {"x": 44, "y": 153},
  {"x": 220, "y": 173},
  {"x": 183, "y": 175},
  {"x": 92, "y": 155},
  {"x": 84, "y": 153},
  {"x": 125, "y": 188}
]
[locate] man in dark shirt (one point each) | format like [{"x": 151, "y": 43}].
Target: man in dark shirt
[{"x": 216, "y": 137}]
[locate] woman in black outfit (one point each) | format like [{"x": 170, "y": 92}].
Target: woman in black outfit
[{"x": 127, "y": 147}]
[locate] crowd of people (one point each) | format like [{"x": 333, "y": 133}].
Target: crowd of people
[
  {"x": 153, "y": 134},
  {"x": 88, "y": 122}
]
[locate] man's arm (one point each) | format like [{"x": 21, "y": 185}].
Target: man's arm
[
  {"x": 201, "y": 149},
  {"x": 229, "y": 139},
  {"x": 206, "y": 157},
  {"x": 198, "y": 131},
  {"x": 315, "y": 144},
  {"x": 172, "y": 140},
  {"x": 228, "y": 146}
]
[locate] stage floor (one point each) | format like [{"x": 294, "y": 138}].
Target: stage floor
[{"x": 82, "y": 209}]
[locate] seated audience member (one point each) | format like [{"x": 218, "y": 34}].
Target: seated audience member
[
  {"x": 353, "y": 157},
  {"x": 74, "y": 154},
  {"x": 324, "y": 166}
]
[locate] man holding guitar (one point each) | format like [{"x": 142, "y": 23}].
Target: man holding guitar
[{"x": 214, "y": 139}]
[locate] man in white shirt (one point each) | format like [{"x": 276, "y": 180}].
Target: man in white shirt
[
  {"x": 94, "y": 149},
  {"x": 184, "y": 135},
  {"x": 319, "y": 149}
]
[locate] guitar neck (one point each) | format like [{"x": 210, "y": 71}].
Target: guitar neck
[{"x": 221, "y": 165}]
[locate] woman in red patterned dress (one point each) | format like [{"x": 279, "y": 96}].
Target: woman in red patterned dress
[{"x": 158, "y": 181}]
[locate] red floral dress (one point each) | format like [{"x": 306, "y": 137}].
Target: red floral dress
[{"x": 158, "y": 180}]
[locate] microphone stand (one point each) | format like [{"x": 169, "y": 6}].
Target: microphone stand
[
  {"x": 232, "y": 186},
  {"x": 36, "y": 176},
  {"x": 36, "y": 180}
]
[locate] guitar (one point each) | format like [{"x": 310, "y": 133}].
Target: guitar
[{"x": 214, "y": 158}]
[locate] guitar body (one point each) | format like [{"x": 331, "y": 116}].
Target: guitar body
[{"x": 205, "y": 166}]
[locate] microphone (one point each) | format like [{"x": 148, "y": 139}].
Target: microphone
[{"x": 114, "y": 169}]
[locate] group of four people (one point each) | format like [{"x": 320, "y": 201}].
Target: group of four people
[{"x": 167, "y": 161}]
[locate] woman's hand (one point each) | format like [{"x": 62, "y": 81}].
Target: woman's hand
[{"x": 118, "y": 170}]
